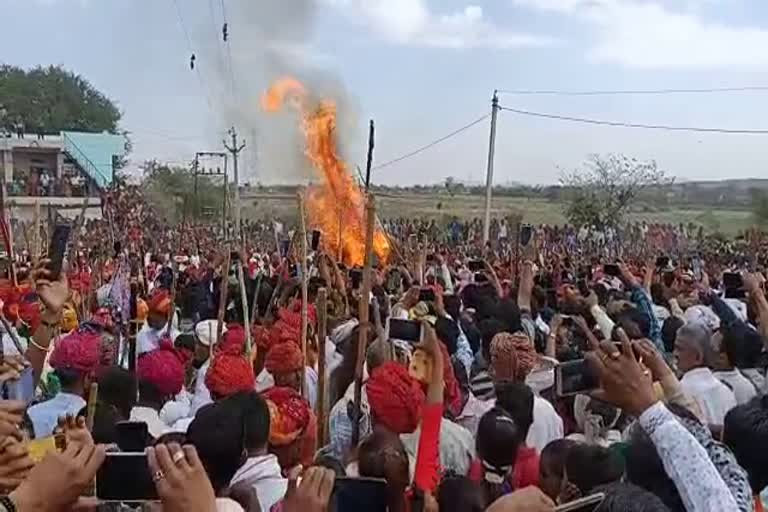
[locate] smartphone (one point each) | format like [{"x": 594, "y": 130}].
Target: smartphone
[
  {"x": 22, "y": 389},
  {"x": 132, "y": 436},
  {"x": 58, "y": 249},
  {"x": 125, "y": 477},
  {"x": 583, "y": 288},
  {"x": 669, "y": 278},
  {"x": 733, "y": 281},
  {"x": 426, "y": 295},
  {"x": 612, "y": 270},
  {"x": 355, "y": 494},
  {"x": 285, "y": 246},
  {"x": 586, "y": 504},
  {"x": 480, "y": 277},
  {"x": 356, "y": 277},
  {"x": 526, "y": 233},
  {"x": 315, "y": 239},
  {"x": 476, "y": 265},
  {"x": 575, "y": 378},
  {"x": 406, "y": 330},
  {"x": 662, "y": 262}
]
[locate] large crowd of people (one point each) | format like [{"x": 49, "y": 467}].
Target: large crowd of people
[{"x": 624, "y": 367}]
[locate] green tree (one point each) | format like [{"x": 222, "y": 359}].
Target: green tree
[
  {"x": 172, "y": 192},
  {"x": 50, "y": 99},
  {"x": 603, "y": 190}
]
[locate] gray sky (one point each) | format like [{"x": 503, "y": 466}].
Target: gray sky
[{"x": 421, "y": 69}]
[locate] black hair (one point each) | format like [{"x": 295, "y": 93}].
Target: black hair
[
  {"x": 148, "y": 393},
  {"x": 447, "y": 332},
  {"x": 555, "y": 453},
  {"x": 459, "y": 494},
  {"x": 179, "y": 438},
  {"x": 117, "y": 387},
  {"x": 68, "y": 377},
  {"x": 588, "y": 466},
  {"x": 745, "y": 431},
  {"x": 256, "y": 420},
  {"x": 218, "y": 434},
  {"x": 509, "y": 314},
  {"x": 516, "y": 398},
  {"x": 497, "y": 443},
  {"x": 636, "y": 316},
  {"x": 332, "y": 463},
  {"x": 489, "y": 328},
  {"x": 104, "y": 420},
  {"x": 452, "y": 304},
  {"x": 185, "y": 341},
  {"x": 382, "y": 455},
  {"x": 624, "y": 497},
  {"x": 669, "y": 332},
  {"x": 743, "y": 345}
]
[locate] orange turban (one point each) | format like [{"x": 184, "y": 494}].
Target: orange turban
[
  {"x": 160, "y": 302},
  {"x": 395, "y": 397},
  {"x": 284, "y": 358},
  {"x": 289, "y": 415},
  {"x": 229, "y": 372}
]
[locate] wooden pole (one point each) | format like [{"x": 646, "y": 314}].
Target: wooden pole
[
  {"x": 304, "y": 284},
  {"x": 223, "y": 294},
  {"x": 36, "y": 234},
  {"x": 246, "y": 322},
  {"x": 93, "y": 398},
  {"x": 322, "y": 327},
  {"x": 172, "y": 309},
  {"x": 362, "y": 345}
]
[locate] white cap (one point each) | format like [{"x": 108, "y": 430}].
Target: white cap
[{"x": 206, "y": 332}]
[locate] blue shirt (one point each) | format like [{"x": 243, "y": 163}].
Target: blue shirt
[{"x": 45, "y": 415}]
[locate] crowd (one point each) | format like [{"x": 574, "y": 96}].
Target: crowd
[
  {"x": 551, "y": 365},
  {"x": 42, "y": 183}
]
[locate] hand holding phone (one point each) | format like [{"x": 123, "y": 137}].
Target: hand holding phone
[{"x": 58, "y": 249}]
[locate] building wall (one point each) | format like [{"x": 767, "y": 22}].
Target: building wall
[{"x": 24, "y": 160}]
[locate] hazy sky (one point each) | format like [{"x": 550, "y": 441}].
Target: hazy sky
[{"x": 420, "y": 68}]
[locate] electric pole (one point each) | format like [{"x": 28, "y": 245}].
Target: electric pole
[
  {"x": 489, "y": 176},
  {"x": 235, "y": 150}
]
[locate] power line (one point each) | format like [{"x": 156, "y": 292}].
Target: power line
[
  {"x": 228, "y": 47},
  {"x": 192, "y": 52},
  {"x": 552, "y": 92},
  {"x": 636, "y": 125},
  {"x": 431, "y": 144}
]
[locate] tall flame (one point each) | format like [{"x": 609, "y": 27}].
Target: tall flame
[{"x": 337, "y": 205}]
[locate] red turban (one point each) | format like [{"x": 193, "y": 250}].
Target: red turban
[
  {"x": 77, "y": 351},
  {"x": 512, "y": 356},
  {"x": 289, "y": 415},
  {"x": 162, "y": 367},
  {"x": 284, "y": 358},
  {"x": 160, "y": 302},
  {"x": 233, "y": 341},
  {"x": 261, "y": 336},
  {"x": 230, "y": 372},
  {"x": 395, "y": 397}
]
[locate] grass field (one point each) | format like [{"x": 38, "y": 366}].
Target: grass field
[{"x": 534, "y": 211}]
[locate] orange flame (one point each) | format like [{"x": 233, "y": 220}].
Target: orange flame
[{"x": 337, "y": 205}]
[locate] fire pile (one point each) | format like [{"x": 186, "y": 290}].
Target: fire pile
[{"x": 337, "y": 205}]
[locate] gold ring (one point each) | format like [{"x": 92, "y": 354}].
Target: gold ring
[{"x": 159, "y": 475}]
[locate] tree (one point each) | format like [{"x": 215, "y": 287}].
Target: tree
[
  {"x": 603, "y": 190},
  {"x": 49, "y": 100},
  {"x": 171, "y": 191}
]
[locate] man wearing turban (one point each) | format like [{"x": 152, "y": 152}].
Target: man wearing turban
[
  {"x": 292, "y": 427},
  {"x": 74, "y": 361},
  {"x": 230, "y": 371},
  {"x": 156, "y": 326}
]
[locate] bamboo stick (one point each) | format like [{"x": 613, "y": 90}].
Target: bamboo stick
[
  {"x": 370, "y": 217},
  {"x": 93, "y": 397},
  {"x": 304, "y": 286},
  {"x": 246, "y": 322},
  {"x": 223, "y": 294},
  {"x": 322, "y": 395}
]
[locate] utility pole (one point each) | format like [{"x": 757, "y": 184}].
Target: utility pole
[
  {"x": 211, "y": 172},
  {"x": 489, "y": 175},
  {"x": 235, "y": 150}
]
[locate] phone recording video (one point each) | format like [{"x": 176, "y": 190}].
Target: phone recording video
[
  {"x": 125, "y": 477},
  {"x": 526, "y": 233},
  {"x": 733, "y": 283},
  {"x": 575, "y": 378},
  {"x": 662, "y": 262},
  {"x": 355, "y": 494},
  {"x": 58, "y": 249},
  {"x": 406, "y": 330},
  {"x": 132, "y": 436},
  {"x": 612, "y": 270},
  {"x": 315, "y": 240},
  {"x": 476, "y": 265},
  {"x": 355, "y": 277},
  {"x": 21, "y": 389},
  {"x": 426, "y": 295}
]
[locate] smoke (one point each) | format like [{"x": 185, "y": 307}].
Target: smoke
[{"x": 267, "y": 39}]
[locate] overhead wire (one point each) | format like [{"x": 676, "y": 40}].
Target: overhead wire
[
  {"x": 227, "y": 45},
  {"x": 190, "y": 47},
  {"x": 601, "y": 122},
  {"x": 431, "y": 144},
  {"x": 554, "y": 92}
]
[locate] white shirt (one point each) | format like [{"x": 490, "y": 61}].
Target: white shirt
[
  {"x": 742, "y": 388},
  {"x": 151, "y": 417},
  {"x": 547, "y": 425},
  {"x": 148, "y": 339},
  {"x": 263, "y": 473},
  {"x": 202, "y": 394},
  {"x": 712, "y": 396},
  {"x": 265, "y": 380}
]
